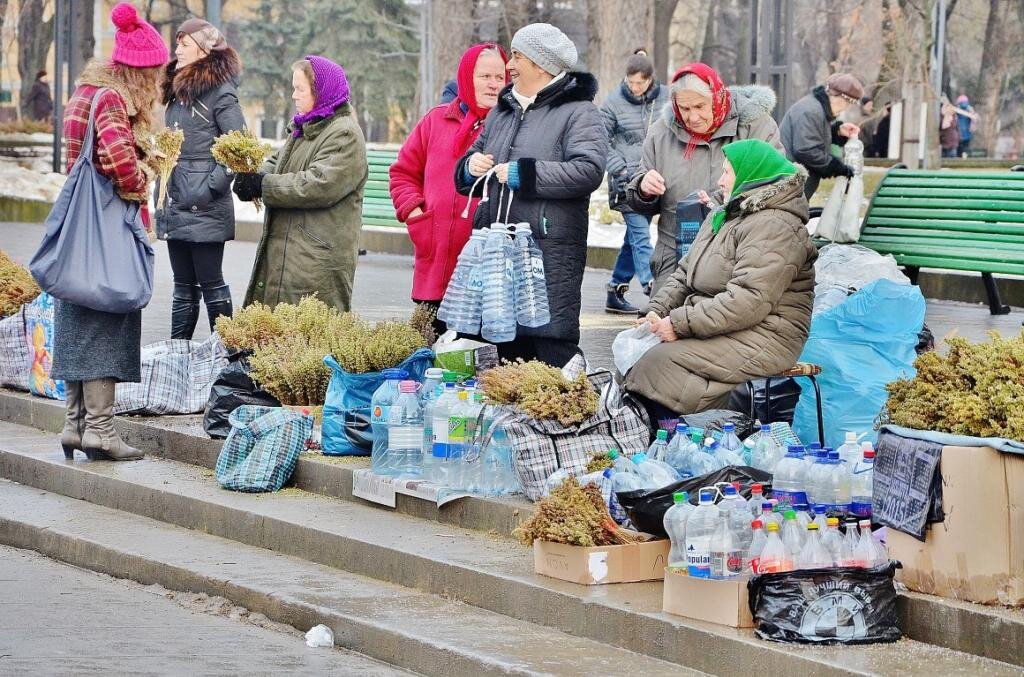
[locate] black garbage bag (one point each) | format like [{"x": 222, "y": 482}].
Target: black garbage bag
[
  {"x": 776, "y": 406},
  {"x": 233, "y": 388},
  {"x": 845, "y": 605},
  {"x": 646, "y": 509},
  {"x": 715, "y": 419}
]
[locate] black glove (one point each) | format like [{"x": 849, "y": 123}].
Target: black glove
[
  {"x": 248, "y": 186},
  {"x": 847, "y": 171},
  {"x": 837, "y": 167}
]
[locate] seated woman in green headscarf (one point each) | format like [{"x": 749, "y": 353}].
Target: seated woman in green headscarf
[{"x": 738, "y": 306}]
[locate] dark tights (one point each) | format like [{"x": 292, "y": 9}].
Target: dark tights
[{"x": 197, "y": 268}]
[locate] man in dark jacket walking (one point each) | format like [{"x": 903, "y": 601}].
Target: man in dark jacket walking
[
  {"x": 811, "y": 126},
  {"x": 628, "y": 112},
  {"x": 547, "y": 142},
  {"x": 40, "y": 103}
]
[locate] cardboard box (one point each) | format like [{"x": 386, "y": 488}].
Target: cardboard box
[
  {"x": 977, "y": 554},
  {"x": 607, "y": 564},
  {"x": 705, "y": 599}
]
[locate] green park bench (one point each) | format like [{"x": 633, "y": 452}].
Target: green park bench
[
  {"x": 950, "y": 220},
  {"x": 377, "y": 207}
]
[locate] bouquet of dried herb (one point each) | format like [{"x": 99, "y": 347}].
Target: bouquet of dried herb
[
  {"x": 541, "y": 391},
  {"x": 599, "y": 462},
  {"x": 242, "y": 153},
  {"x": 17, "y": 287},
  {"x": 168, "y": 142},
  {"x": 251, "y": 327},
  {"x": 575, "y": 515},
  {"x": 292, "y": 369},
  {"x": 360, "y": 348}
]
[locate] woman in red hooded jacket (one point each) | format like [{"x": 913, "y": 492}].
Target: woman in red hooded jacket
[{"x": 422, "y": 187}]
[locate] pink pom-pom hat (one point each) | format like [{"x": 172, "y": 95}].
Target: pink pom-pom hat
[{"x": 136, "y": 43}]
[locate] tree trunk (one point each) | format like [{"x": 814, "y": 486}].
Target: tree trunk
[
  {"x": 663, "y": 12},
  {"x": 992, "y": 76},
  {"x": 613, "y": 36},
  {"x": 35, "y": 37},
  {"x": 726, "y": 41},
  {"x": 450, "y": 28},
  {"x": 3, "y": 14},
  {"x": 85, "y": 42}
]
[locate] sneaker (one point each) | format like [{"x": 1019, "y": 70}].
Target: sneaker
[{"x": 617, "y": 302}]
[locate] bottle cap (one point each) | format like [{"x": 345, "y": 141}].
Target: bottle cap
[
  {"x": 757, "y": 488},
  {"x": 730, "y": 490},
  {"x": 766, "y": 428},
  {"x": 736, "y": 485},
  {"x": 833, "y": 455},
  {"x": 679, "y": 497},
  {"x": 449, "y": 385},
  {"x": 801, "y": 507},
  {"x": 639, "y": 458},
  {"x": 789, "y": 515},
  {"x": 697, "y": 436},
  {"x": 478, "y": 397},
  {"x": 851, "y": 437},
  {"x": 449, "y": 376},
  {"x": 613, "y": 454},
  {"x": 408, "y": 387},
  {"x": 820, "y": 509},
  {"x": 729, "y": 427},
  {"x": 865, "y": 524},
  {"x": 682, "y": 428},
  {"x": 766, "y": 505},
  {"x": 832, "y": 521},
  {"x": 434, "y": 373},
  {"x": 866, "y": 445},
  {"x": 772, "y": 526},
  {"x": 662, "y": 435},
  {"x": 757, "y": 524},
  {"x": 815, "y": 445},
  {"x": 394, "y": 374},
  {"x": 795, "y": 450},
  {"x": 607, "y": 473},
  {"x": 869, "y": 453},
  {"x": 707, "y": 496},
  {"x": 463, "y": 395},
  {"x": 812, "y": 526}
]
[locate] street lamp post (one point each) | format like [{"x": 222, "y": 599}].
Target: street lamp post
[{"x": 59, "y": 17}]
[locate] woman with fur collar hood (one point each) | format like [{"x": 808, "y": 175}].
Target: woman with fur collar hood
[
  {"x": 683, "y": 150},
  {"x": 738, "y": 305},
  {"x": 199, "y": 92}
]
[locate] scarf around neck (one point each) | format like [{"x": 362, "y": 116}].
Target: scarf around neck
[
  {"x": 756, "y": 164},
  {"x": 331, "y": 88},
  {"x": 720, "y": 104}
]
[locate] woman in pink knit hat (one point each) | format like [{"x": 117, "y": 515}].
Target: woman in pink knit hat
[{"x": 94, "y": 350}]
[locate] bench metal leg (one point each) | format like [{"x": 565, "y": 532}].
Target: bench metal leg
[
  {"x": 912, "y": 272},
  {"x": 995, "y": 302},
  {"x": 821, "y": 418}
]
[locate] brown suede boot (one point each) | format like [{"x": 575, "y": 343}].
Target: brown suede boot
[
  {"x": 99, "y": 439},
  {"x": 71, "y": 436}
]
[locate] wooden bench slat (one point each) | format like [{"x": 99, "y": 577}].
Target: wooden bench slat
[
  {"x": 945, "y": 173},
  {"x": 874, "y": 221},
  {"x": 982, "y": 249},
  {"x": 886, "y": 190},
  {"x": 971, "y": 265},
  {"x": 938, "y": 251},
  {"x": 925, "y": 215},
  {"x": 941, "y": 235},
  {"x": 968, "y": 205},
  {"x": 996, "y": 184}
]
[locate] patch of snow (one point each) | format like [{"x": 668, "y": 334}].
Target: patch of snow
[{"x": 27, "y": 184}]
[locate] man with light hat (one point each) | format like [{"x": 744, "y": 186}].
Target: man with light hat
[
  {"x": 543, "y": 151},
  {"x": 811, "y": 126}
]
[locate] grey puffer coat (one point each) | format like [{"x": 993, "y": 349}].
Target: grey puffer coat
[
  {"x": 627, "y": 118},
  {"x": 561, "y": 146},
  {"x": 808, "y": 131},
  {"x": 749, "y": 118},
  {"x": 740, "y": 302},
  {"x": 201, "y": 100}
]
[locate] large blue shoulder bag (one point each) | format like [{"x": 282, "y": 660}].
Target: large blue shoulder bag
[{"x": 95, "y": 252}]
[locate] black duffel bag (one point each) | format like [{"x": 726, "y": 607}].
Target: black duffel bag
[
  {"x": 646, "y": 509},
  {"x": 233, "y": 388}
]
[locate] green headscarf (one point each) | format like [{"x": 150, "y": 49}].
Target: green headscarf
[{"x": 756, "y": 163}]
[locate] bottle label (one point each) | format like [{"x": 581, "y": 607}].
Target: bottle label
[
  {"x": 439, "y": 448},
  {"x": 379, "y": 415},
  {"x": 726, "y": 564},
  {"x": 698, "y": 557},
  {"x": 537, "y": 264},
  {"x": 457, "y": 430},
  {"x": 791, "y": 497},
  {"x": 861, "y": 509}
]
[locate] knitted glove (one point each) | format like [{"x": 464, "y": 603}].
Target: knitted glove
[{"x": 248, "y": 186}]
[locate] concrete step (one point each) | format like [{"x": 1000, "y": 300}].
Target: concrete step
[
  {"x": 401, "y": 626},
  {"x": 476, "y": 568},
  {"x": 181, "y": 438}
]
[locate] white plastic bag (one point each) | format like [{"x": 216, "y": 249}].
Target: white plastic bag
[
  {"x": 842, "y": 269},
  {"x": 840, "y": 220},
  {"x": 630, "y": 345},
  {"x": 319, "y": 636}
]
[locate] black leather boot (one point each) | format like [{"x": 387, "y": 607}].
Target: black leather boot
[
  {"x": 617, "y": 302},
  {"x": 218, "y": 303},
  {"x": 184, "y": 311}
]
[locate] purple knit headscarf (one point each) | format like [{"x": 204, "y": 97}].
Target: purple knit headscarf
[{"x": 331, "y": 91}]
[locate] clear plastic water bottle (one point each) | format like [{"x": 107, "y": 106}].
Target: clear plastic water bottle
[
  {"x": 700, "y": 528},
  {"x": 820, "y": 517},
  {"x": 758, "y": 540},
  {"x": 655, "y": 474},
  {"x": 436, "y": 470},
  {"x": 768, "y": 514},
  {"x": 432, "y": 377},
  {"x": 621, "y": 463},
  {"x": 804, "y": 516},
  {"x": 792, "y": 533},
  {"x": 814, "y": 555},
  {"x": 459, "y": 417},
  {"x": 555, "y": 480},
  {"x": 405, "y": 432},
  {"x": 788, "y": 481},
  {"x": 756, "y": 499},
  {"x": 732, "y": 443},
  {"x": 498, "y": 477},
  {"x": 726, "y": 552},
  {"x": 497, "y": 310},
  {"x": 839, "y": 484},
  {"x": 738, "y": 515},
  {"x": 680, "y": 449},
  {"x": 675, "y": 526},
  {"x": 849, "y": 451},
  {"x": 460, "y": 307},
  {"x": 810, "y": 455},
  {"x": 849, "y": 549},
  {"x": 816, "y": 477},
  {"x": 775, "y": 557},
  {"x": 832, "y": 539},
  {"x": 532, "y": 306},
  {"x": 380, "y": 407},
  {"x": 710, "y": 449},
  {"x": 427, "y": 401},
  {"x": 766, "y": 454},
  {"x": 869, "y": 552},
  {"x": 658, "y": 451},
  {"x": 862, "y": 485}
]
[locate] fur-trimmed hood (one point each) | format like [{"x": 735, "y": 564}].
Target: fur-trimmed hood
[
  {"x": 776, "y": 195},
  {"x": 194, "y": 80},
  {"x": 748, "y": 103},
  {"x": 575, "y": 86},
  {"x": 98, "y": 74}
]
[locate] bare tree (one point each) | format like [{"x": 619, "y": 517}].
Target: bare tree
[
  {"x": 34, "y": 39},
  {"x": 993, "y": 72},
  {"x": 614, "y": 32},
  {"x": 726, "y": 39},
  {"x": 3, "y": 15},
  {"x": 448, "y": 28},
  {"x": 663, "y": 13}
]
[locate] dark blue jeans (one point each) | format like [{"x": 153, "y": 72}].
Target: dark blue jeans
[{"x": 635, "y": 256}]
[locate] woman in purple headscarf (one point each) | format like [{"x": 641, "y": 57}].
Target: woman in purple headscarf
[{"x": 313, "y": 191}]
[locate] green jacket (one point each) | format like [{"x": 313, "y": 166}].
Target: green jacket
[{"x": 313, "y": 195}]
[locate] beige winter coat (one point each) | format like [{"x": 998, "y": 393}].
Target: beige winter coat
[
  {"x": 740, "y": 302},
  {"x": 749, "y": 118}
]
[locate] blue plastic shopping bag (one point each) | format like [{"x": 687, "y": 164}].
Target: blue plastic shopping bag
[{"x": 862, "y": 344}]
